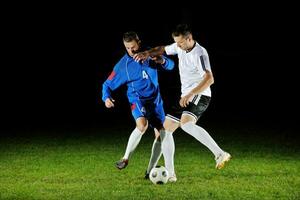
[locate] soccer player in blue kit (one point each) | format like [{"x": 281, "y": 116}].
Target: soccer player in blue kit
[{"x": 143, "y": 92}]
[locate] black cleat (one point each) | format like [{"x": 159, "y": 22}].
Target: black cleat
[
  {"x": 146, "y": 175},
  {"x": 121, "y": 164}
]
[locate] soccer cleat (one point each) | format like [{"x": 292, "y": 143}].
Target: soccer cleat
[
  {"x": 121, "y": 164},
  {"x": 146, "y": 175},
  {"x": 222, "y": 159},
  {"x": 172, "y": 179}
]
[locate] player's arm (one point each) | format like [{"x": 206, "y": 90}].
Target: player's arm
[
  {"x": 207, "y": 81},
  {"x": 204, "y": 84},
  {"x": 164, "y": 61},
  {"x": 114, "y": 81},
  {"x": 154, "y": 52},
  {"x": 106, "y": 95}
]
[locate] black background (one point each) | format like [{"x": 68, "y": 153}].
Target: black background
[{"x": 56, "y": 57}]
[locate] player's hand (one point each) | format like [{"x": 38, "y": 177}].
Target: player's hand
[
  {"x": 141, "y": 56},
  {"x": 109, "y": 103},
  {"x": 184, "y": 101},
  {"x": 158, "y": 59}
]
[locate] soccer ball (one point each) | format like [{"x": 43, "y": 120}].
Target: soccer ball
[{"x": 159, "y": 175}]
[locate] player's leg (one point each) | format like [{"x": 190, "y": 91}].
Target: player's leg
[
  {"x": 155, "y": 153},
  {"x": 168, "y": 145},
  {"x": 136, "y": 135},
  {"x": 156, "y": 117},
  {"x": 203, "y": 136},
  {"x": 188, "y": 124},
  {"x": 165, "y": 142},
  {"x": 171, "y": 123},
  {"x": 133, "y": 141}
]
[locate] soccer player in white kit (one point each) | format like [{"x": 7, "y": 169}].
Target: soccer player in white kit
[{"x": 196, "y": 77}]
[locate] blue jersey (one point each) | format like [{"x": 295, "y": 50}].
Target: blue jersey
[
  {"x": 141, "y": 78},
  {"x": 142, "y": 87}
]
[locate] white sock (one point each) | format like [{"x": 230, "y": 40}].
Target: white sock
[
  {"x": 202, "y": 136},
  {"x": 133, "y": 141},
  {"x": 168, "y": 149},
  {"x": 155, "y": 155}
]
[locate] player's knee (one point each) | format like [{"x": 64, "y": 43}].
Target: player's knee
[
  {"x": 170, "y": 125},
  {"x": 142, "y": 124},
  {"x": 187, "y": 119},
  {"x": 156, "y": 133},
  {"x": 183, "y": 123},
  {"x": 142, "y": 127}
]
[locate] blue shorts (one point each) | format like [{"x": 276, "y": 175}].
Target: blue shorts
[{"x": 152, "y": 110}]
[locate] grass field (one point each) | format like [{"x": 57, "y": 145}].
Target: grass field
[{"x": 79, "y": 165}]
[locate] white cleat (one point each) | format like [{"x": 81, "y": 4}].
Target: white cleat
[
  {"x": 222, "y": 159},
  {"x": 172, "y": 179}
]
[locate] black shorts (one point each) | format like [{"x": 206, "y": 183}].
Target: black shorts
[{"x": 195, "y": 108}]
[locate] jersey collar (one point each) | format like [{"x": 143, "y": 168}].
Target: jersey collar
[{"x": 189, "y": 50}]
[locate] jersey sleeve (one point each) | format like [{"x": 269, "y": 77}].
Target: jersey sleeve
[
  {"x": 171, "y": 49},
  {"x": 169, "y": 63},
  {"x": 115, "y": 80},
  {"x": 204, "y": 59}
]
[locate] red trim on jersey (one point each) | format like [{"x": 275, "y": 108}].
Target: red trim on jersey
[
  {"x": 133, "y": 106},
  {"x": 112, "y": 75}
]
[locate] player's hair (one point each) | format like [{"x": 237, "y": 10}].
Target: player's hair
[
  {"x": 130, "y": 36},
  {"x": 181, "y": 29}
]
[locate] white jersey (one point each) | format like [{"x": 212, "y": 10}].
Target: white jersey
[{"x": 192, "y": 66}]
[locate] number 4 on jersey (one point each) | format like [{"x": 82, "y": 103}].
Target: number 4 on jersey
[{"x": 145, "y": 75}]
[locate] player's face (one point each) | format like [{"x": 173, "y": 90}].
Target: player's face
[
  {"x": 132, "y": 47},
  {"x": 182, "y": 42}
]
